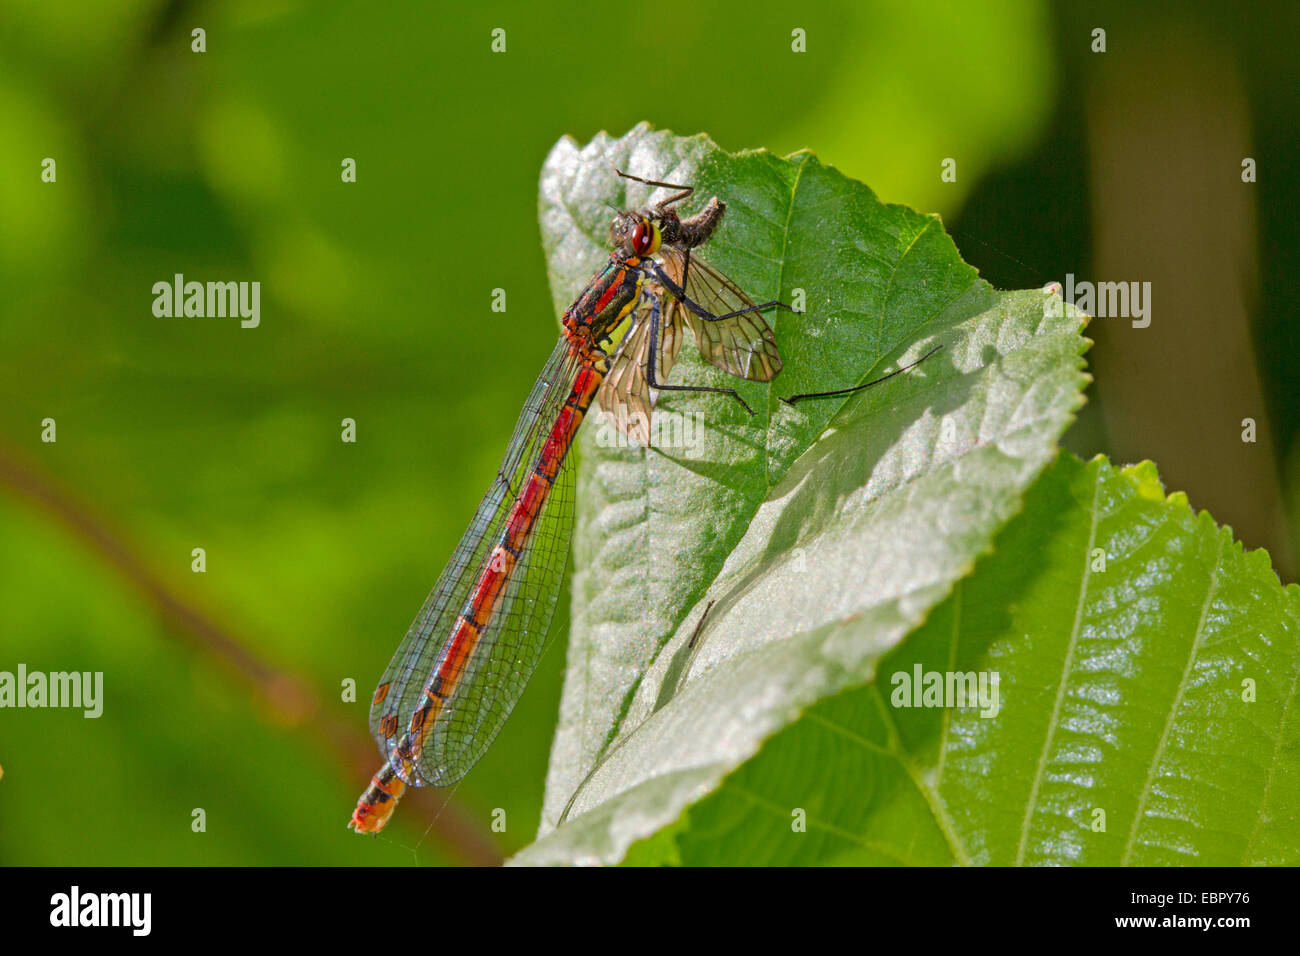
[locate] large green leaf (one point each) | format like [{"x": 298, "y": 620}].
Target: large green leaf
[
  {"x": 1148, "y": 712},
  {"x": 821, "y": 534}
]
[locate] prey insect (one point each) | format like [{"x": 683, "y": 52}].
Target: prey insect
[
  {"x": 683, "y": 291},
  {"x": 475, "y": 642}
]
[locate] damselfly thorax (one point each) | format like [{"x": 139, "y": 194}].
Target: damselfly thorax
[{"x": 616, "y": 292}]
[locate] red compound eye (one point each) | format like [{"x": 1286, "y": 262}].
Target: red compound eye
[{"x": 642, "y": 237}]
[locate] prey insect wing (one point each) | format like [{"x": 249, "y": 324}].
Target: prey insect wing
[
  {"x": 742, "y": 345},
  {"x": 625, "y": 393}
]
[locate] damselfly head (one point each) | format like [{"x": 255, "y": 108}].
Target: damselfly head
[{"x": 634, "y": 234}]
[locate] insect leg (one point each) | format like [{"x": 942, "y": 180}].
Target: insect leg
[
  {"x": 857, "y": 388},
  {"x": 685, "y": 190},
  {"x": 654, "y": 355},
  {"x": 680, "y": 295}
]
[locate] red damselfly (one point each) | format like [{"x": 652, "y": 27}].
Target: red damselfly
[{"x": 474, "y": 644}]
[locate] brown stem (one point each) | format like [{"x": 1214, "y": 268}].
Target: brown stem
[{"x": 290, "y": 700}]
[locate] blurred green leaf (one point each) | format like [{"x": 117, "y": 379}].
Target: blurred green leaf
[
  {"x": 1123, "y": 702},
  {"x": 820, "y": 534},
  {"x": 979, "y": 75}
]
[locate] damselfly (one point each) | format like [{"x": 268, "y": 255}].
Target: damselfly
[{"x": 469, "y": 653}]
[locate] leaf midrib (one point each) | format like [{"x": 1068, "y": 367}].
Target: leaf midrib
[
  {"x": 616, "y": 726},
  {"x": 1156, "y": 757},
  {"x": 1066, "y": 666},
  {"x": 1272, "y": 770}
]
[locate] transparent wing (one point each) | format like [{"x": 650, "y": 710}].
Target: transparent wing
[
  {"x": 497, "y": 674},
  {"x": 625, "y": 393},
  {"x": 670, "y": 335},
  {"x": 743, "y": 345},
  {"x": 511, "y": 642}
]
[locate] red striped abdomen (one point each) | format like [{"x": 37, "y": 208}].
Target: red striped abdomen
[{"x": 484, "y": 602}]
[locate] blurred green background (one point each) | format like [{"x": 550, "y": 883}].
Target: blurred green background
[{"x": 223, "y": 689}]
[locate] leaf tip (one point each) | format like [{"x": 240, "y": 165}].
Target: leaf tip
[{"x": 1147, "y": 477}]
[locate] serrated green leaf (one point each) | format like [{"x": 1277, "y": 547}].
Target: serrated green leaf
[
  {"x": 821, "y": 534},
  {"x": 1147, "y": 709}
]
